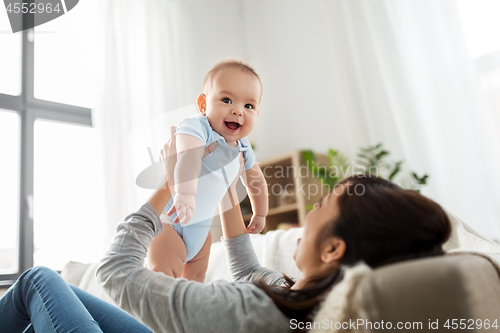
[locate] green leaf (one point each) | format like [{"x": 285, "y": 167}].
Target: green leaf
[
  {"x": 396, "y": 169},
  {"x": 420, "y": 181},
  {"x": 380, "y": 155}
]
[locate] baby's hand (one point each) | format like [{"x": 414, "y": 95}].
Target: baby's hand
[
  {"x": 184, "y": 205},
  {"x": 257, "y": 224}
]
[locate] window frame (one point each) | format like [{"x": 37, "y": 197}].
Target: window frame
[{"x": 29, "y": 109}]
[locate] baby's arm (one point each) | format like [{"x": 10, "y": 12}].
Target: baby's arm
[
  {"x": 256, "y": 185},
  {"x": 187, "y": 170}
]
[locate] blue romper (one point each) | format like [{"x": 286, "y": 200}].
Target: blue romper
[{"x": 218, "y": 171}]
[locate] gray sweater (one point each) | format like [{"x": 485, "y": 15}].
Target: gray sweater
[{"x": 166, "y": 304}]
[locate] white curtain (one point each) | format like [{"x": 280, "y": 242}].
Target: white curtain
[
  {"x": 143, "y": 79},
  {"x": 418, "y": 89},
  {"x": 348, "y": 73},
  {"x": 336, "y": 73}
]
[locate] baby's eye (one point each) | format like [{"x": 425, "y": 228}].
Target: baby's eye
[
  {"x": 249, "y": 106},
  {"x": 226, "y": 100}
]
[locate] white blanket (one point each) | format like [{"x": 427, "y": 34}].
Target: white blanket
[
  {"x": 464, "y": 239},
  {"x": 274, "y": 250}
]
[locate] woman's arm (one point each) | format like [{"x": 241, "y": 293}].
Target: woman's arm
[
  {"x": 166, "y": 304},
  {"x": 256, "y": 185},
  {"x": 242, "y": 260},
  {"x": 159, "y": 200},
  {"x": 231, "y": 218}
]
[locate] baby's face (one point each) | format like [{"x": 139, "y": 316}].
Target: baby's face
[{"x": 233, "y": 103}]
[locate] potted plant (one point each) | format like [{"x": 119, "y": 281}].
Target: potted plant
[{"x": 371, "y": 160}]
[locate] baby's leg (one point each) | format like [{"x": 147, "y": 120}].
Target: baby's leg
[
  {"x": 196, "y": 268},
  {"x": 167, "y": 252}
]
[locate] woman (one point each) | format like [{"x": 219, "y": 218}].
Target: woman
[{"x": 363, "y": 218}]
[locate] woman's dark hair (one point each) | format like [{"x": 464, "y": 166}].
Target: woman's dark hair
[{"x": 381, "y": 223}]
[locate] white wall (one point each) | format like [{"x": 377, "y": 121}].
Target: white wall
[
  {"x": 294, "y": 63},
  {"x": 307, "y": 89}
]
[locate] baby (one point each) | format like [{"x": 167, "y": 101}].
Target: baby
[{"x": 228, "y": 109}]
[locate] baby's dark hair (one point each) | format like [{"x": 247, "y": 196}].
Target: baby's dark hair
[{"x": 228, "y": 63}]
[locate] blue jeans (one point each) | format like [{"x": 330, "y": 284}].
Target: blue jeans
[{"x": 41, "y": 301}]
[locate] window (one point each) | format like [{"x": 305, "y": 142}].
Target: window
[
  {"x": 9, "y": 192},
  {"x": 65, "y": 49},
  {"x": 68, "y": 193},
  {"x": 10, "y": 62},
  {"x": 46, "y": 89}
]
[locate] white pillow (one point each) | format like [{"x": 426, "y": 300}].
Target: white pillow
[{"x": 274, "y": 250}]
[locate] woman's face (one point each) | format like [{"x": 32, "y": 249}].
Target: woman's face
[{"x": 307, "y": 254}]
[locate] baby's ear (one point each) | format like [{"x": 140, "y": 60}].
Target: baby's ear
[{"x": 202, "y": 103}]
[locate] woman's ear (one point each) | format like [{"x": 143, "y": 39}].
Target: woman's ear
[
  {"x": 202, "y": 103},
  {"x": 333, "y": 249}
]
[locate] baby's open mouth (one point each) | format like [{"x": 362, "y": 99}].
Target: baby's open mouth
[{"x": 232, "y": 126}]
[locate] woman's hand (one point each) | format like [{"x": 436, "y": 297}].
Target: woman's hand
[{"x": 168, "y": 158}]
